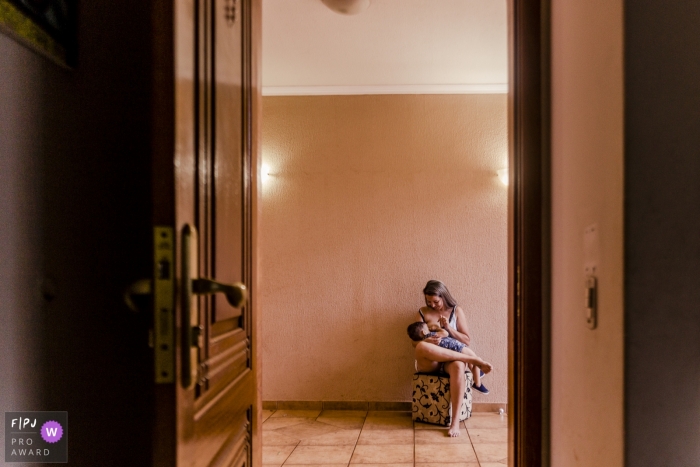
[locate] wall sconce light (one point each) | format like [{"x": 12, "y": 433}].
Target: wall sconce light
[
  {"x": 503, "y": 176},
  {"x": 264, "y": 172}
]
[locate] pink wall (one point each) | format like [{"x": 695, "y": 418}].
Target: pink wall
[
  {"x": 587, "y": 173},
  {"x": 369, "y": 197}
]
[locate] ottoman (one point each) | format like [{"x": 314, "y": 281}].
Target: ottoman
[{"x": 431, "y": 398}]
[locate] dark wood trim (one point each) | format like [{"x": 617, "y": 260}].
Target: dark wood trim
[{"x": 529, "y": 234}]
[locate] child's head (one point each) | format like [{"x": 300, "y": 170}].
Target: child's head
[{"x": 417, "y": 331}]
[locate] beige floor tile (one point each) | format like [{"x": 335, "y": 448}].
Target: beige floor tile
[
  {"x": 273, "y": 438},
  {"x": 486, "y": 421},
  {"x": 338, "y": 438},
  {"x": 449, "y": 453},
  {"x": 386, "y": 465},
  {"x": 343, "y": 422},
  {"x": 441, "y": 437},
  {"x": 387, "y": 423},
  {"x": 315, "y": 455},
  {"x": 400, "y": 436},
  {"x": 488, "y": 435},
  {"x": 428, "y": 426},
  {"x": 296, "y": 413},
  {"x": 344, "y": 413},
  {"x": 383, "y": 454},
  {"x": 266, "y": 414},
  {"x": 344, "y": 464},
  {"x": 277, "y": 423},
  {"x": 334, "y": 438},
  {"x": 388, "y": 413},
  {"x": 307, "y": 430},
  {"x": 444, "y": 464},
  {"x": 276, "y": 454},
  {"x": 495, "y": 452}
]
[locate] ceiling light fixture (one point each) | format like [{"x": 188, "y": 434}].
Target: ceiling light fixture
[{"x": 347, "y": 7}]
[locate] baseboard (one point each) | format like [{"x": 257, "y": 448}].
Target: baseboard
[
  {"x": 484, "y": 407},
  {"x": 477, "y": 407}
]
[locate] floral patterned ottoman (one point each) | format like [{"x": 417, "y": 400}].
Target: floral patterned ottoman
[{"x": 431, "y": 398}]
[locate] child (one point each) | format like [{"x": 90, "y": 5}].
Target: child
[{"x": 419, "y": 330}]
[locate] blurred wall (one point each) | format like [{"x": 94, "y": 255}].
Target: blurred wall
[
  {"x": 587, "y": 188},
  {"x": 75, "y": 229},
  {"x": 21, "y": 229},
  {"x": 662, "y": 232}
]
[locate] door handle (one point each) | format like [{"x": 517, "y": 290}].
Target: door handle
[
  {"x": 236, "y": 293},
  {"x": 140, "y": 287},
  {"x": 191, "y": 286}
]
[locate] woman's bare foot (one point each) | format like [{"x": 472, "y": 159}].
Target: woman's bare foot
[{"x": 454, "y": 430}]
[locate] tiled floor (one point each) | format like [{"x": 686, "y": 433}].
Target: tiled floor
[{"x": 338, "y": 438}]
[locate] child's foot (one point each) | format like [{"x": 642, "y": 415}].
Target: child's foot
[
  {"x": 481, "y": 388},
  {"x": 453, "y": 431},
  {"x": 484, "y": 367}
]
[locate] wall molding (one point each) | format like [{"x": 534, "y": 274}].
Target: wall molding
[{"x": 484, "y": 88}]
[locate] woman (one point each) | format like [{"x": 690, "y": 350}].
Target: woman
[{"x": 441, "y": 309}]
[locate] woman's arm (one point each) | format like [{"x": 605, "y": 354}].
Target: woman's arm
[{"x": 462, "y": 331}]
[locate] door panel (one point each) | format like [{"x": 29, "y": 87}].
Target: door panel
[
  {"x": 212, "y": 418},
  {"x": 228, "y": 195}
]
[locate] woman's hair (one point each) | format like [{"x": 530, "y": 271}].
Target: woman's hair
[
  {"x": 415, "y": 331},
  {"x": 437, "y": 288}
]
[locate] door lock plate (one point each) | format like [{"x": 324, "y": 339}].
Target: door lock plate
[{"x": 164, "y": 304}]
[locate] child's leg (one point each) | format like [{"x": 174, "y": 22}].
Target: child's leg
[
  {"x": 475, "y": 371},
  {"x": 476, "y": 374},
  {"x": 427, "y": 354}
]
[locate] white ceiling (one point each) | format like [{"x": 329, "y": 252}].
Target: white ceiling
[{"x": 393, "y": 47}]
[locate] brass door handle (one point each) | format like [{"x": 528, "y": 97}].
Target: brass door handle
[
  {"x": 140, "y": 287},
  {"x": 192, "y": 336},
  {"x": 236, "y": 294}
]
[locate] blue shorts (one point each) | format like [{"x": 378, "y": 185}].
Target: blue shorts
[
  {"x": 452, "y": 344},
  {"x": 449, "y": 343}
]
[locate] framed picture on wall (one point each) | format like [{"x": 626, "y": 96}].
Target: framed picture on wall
[{"x": 45, "y": 26}]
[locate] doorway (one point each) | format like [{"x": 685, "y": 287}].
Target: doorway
[{"x": 328, "y": 179}]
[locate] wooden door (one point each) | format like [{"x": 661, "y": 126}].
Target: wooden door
[{"x": 205, "y": 191}]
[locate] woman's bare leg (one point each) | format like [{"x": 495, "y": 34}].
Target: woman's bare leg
[
  {"x": 427, "y": 354},
  {"x": 457, "y": 383}
]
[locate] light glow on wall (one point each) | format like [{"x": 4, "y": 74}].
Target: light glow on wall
[
  {"x": 503, "y": 176},
  {"x": 264, "y": 172}
]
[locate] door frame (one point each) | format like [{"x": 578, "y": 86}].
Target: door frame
[
  {"x": 529, "y": 239},
  {"x": 529, "y": 231}
]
